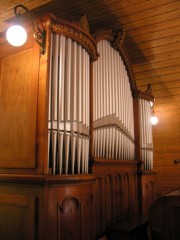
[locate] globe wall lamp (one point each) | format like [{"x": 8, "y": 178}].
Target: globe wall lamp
[
  {"x": 16, "y": 35},
  {"x": 154, "y": 119}
]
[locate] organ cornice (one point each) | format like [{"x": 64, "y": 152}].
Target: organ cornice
[
  {"x": 116, "y": 38},
  {"x": 78, "y": 32}
]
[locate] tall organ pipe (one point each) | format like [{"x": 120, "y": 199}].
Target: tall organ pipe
[
  {"x": 68, "y": 118},
  {"x": 146, "y": 141},
  {"x": 113, "y": 106}
]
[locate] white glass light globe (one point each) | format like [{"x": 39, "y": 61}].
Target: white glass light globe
[
  {"x": 151, "y": 103},
  {"x": 16, "y": 35},
  {"x": 154, "y": 120}
]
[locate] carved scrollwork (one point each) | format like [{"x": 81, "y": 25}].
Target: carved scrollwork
[
  {"x": 119, "y": 35},
  {"x": 77, "y": 32}
]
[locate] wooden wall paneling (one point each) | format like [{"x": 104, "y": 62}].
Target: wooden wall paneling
[
  {"x": 33, "y": 71},
  {"x": 16, "y": 74},
  {"x": 19, "y": 91},
  {"x": 17, "y": 217}
]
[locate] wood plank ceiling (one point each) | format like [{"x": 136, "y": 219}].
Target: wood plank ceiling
[{"x": 152, "y": 35}]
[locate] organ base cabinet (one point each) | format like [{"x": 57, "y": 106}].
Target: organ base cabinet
[
  {"x": 78, "y": 207},
  {"x": 43, "y": 208}
]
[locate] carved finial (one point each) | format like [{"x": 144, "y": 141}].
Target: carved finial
[
  {"x": 119, "y": 35},
  {"x": 149, "y": 88},
  {"x": 83, "y": 23}
]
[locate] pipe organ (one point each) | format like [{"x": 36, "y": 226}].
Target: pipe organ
[
  {"x": 71, "y": 165},
  {"x": 113, "y": 106}
]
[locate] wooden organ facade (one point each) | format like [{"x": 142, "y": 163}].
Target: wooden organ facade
[{"x": 76, "y": 150}]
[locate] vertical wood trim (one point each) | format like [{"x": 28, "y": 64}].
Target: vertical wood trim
[
  {"x": 43, "y": 106},
  {"x": 136, "y": 129},
  {"x": 91, "y": 113}
]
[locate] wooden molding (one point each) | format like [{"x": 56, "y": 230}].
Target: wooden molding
[
  {"x": 144, "y": 95},
  {"x": 116, "y": 38},
  {"x": 79, "y": 32}
]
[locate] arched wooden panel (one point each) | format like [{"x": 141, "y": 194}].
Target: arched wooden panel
[
  {"x": 109, "y": 199},
  {"x": 118, "y": 198},
  {"x": 149, "y": 195},
  {"x": 98, "y": 206},
  {"x": 133, "y": 193},
  {"x": 126, "y": 195},
  {"x": 70, "y": 219}
]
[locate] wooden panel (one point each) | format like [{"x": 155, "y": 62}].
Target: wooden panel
[
  {"x": 17, "y": 217},
  {"x": 117, "y": 198},
  {"x": 109, "y": 200},
  {"x": 18, "y": 94},
  {"x": 70, "y": 219},
  {"x": 70, "y": 209},
  {"x": 116, "y": 192},
  {"x": 98, "y": 208},
  {"x": 148, "y": 191},
  {"x": 57, "y": 207}
]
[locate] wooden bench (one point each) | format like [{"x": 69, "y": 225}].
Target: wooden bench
[{"x": 134, "y": 228}]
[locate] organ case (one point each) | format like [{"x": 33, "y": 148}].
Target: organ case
[{"x": 83, "y": 136}]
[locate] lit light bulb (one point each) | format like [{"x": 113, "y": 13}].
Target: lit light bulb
[
  {"x": 151, "y": 103},
  {"x": 16, "y": 35},
  {"x": 154, "y": 120}
]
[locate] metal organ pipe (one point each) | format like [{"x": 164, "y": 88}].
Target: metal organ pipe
[
  {"x": 68, "y": 118},
  {"x": 146, "y": 140},
  {"x": 113, "y": 106}
]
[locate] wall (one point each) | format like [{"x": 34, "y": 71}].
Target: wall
[{"x": 166, "y": 145}]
